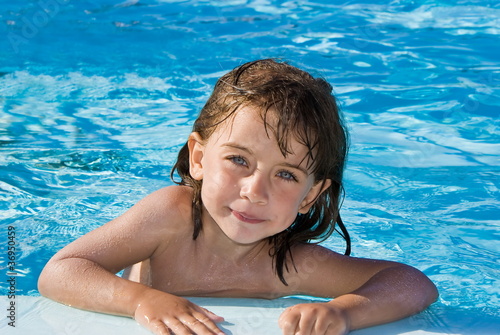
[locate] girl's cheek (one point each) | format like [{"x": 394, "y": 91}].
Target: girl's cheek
[{"x": 220, "y": 181}]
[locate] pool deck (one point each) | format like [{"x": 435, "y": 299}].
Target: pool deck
[{"x": 40, "y": 316}]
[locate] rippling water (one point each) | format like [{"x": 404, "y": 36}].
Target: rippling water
[{"x": 97, "y": 97}]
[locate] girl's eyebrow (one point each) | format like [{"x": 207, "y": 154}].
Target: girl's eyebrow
[
  {"x": 298, "y": 167},
  {"x": 237, "y": 146},
  {"x": 249, "y": 151}
]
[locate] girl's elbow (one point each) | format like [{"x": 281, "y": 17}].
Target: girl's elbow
[
  {"x": 428, "y": 292},
  {"x": 420, "y": 289},
  {"x": 44, "y": 282},
  {"x": 48, "y": 280},
  {"x": 433, "y": 292}
]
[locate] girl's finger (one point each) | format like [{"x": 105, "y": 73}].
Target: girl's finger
[
  {"x": 201, "y": 324},
  {"x": 306, "y": 326},
  {"x": 321, "y": 325},
  {"x": 288, "y": 322},
  {"x": 178, "y": 327},
  {"x": 329, "y": 330},
  {"x": 158, "y": 327},
  {"x": 214, "y": 317}
]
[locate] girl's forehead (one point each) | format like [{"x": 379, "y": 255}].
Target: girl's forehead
[
  {"x": 251, "y": 125},
  {"x": 248, "y": 121}
]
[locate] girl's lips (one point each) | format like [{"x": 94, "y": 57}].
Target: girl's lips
[{"x": 246, "y": 218}]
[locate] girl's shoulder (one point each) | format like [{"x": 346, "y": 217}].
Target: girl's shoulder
[
  {"x": 312, "y": 248},
  {"x": 173, "y": 194},
  {"x": 170, "y": 198},
  {"x": 326, "y": 273},
  {"x": 307, "y": 255},
  {"x": 168, "y": 205},
  {"x": 311, "y": 254}
]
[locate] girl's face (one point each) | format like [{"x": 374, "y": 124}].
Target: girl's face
[{"x": 249, "y": 188}]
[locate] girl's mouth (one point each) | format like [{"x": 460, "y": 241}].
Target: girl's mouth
[{"x": 246, "y": 218}]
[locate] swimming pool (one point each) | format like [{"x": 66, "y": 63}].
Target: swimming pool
[{"x": 98, "y": 96}]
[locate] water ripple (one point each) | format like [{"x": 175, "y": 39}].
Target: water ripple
[{"x": 88, "y": 130}]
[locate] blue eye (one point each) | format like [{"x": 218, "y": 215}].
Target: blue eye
[
  {"x": 287, "y": 175},
  {"x": 238, "y": 160}
]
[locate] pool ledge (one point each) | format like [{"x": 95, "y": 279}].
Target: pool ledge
[{"x": 40, "y": 316}]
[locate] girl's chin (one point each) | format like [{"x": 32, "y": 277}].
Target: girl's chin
[{"x": 243, "y": 238}]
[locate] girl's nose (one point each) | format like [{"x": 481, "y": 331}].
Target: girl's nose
[{"x": 255, "y": 189}]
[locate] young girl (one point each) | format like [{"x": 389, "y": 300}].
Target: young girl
[{"x": 260, "y": 178}]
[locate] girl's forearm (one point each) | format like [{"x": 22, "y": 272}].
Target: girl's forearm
[
  {"x": 84, "y": 284},
  {"x": 392, "y": 294}
]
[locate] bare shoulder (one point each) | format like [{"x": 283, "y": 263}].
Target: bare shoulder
[
  {"x": 167, "y": 205},
  {"x": 138, "y": 233},
  {"x": 311, "y": 259},
  {"x": 326, "y": 273},
  {"x": 161, "y": 211}
]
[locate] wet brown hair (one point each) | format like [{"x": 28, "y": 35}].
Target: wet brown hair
[{"x": 305, "y": 109}]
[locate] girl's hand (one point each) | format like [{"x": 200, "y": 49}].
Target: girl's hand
[
  {"x": 314, "y": 319},
  {"x": 166, "y": 314}
]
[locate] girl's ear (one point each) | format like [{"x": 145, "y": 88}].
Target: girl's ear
[
  {"x": 196, "y": 151},
  {"x": 313, "y": 195}
]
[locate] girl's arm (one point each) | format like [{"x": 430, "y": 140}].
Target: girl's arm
[
  {"x": 82, "y": 274},
  {"x": 367, "y": 292}
]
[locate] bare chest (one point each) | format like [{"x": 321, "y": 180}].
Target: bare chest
[{"x": 192, "y": 274}]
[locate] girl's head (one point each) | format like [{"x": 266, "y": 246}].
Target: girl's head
[{"x": 301, "y": 108}]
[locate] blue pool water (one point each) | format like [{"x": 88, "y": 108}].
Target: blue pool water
[{"x": 98, "y": 96}]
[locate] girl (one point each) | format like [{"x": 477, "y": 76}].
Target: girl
[{"x": 260, "y": 178}]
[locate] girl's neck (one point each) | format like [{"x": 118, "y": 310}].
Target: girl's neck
[{"x": 213, "y": 239}]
